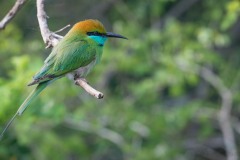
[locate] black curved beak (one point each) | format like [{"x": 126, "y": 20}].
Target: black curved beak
[{"x": 114, "y": 35}]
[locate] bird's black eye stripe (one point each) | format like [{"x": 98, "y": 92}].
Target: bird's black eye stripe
[{"x": 95, "y": 33}]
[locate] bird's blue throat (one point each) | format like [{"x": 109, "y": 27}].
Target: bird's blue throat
[{"x": 99, "y": 39}]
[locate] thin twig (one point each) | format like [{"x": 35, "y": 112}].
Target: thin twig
[
  {"x": 51, "y": 39},
  {"x": 83, "y": 83},
  {"x": 11, "y": 14},
  {"x": 60, "y": 30}
]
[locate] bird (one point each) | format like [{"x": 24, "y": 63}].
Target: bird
[{"x": 76, "y": 53}]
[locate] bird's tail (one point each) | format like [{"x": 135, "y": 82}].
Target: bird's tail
[
  {"x": 31, "y": 97},
  {"x": 25, "y": 104}
]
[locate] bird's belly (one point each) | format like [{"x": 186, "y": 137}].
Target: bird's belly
[{"x": 82, "y": 71}]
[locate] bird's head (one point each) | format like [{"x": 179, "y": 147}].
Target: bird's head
[{"x": 94, "y": 30}]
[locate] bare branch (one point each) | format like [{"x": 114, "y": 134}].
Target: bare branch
[
  {"x": 224, "y": 116},
  {"x": 51, "y": 39},
  {"x": 102, "y": 132},
  {"x": 224, "y": 113},
  {"x": 11, "y": 14},
  {"x": 83, "y": 83}
]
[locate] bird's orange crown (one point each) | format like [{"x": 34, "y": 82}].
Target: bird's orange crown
[{"x": 89, "y": 25}]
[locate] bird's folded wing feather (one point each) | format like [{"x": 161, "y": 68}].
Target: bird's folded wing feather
[{"x": 65, "y": 57}]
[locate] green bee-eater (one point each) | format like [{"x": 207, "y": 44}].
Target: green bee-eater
[{"x": 78, "y": 52}]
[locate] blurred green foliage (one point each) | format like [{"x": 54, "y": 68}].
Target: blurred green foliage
[{"x": 156, "y": 104}]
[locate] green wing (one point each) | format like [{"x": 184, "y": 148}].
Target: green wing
[{"x": 67, "y": 56}]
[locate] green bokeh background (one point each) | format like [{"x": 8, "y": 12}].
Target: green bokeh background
[{"x": 158, "y": 104}]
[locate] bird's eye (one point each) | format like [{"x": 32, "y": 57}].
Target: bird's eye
[{"x": 94, "y": 33}]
